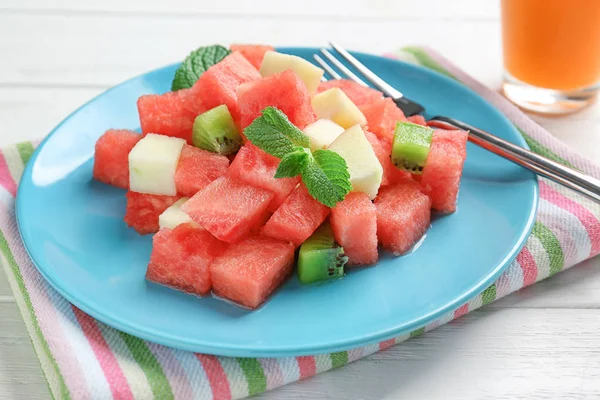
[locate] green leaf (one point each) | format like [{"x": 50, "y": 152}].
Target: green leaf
[
  {"x": 292, "y": 164},
  {"x": 195, "y": 64},
  {"x": 327, "y": 178},
  {"x": 277, "y": 119},
  {"x": 269, "y": 138}
]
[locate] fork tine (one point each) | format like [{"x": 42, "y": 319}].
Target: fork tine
[
  {"x": 343, "y": 68},
  {"x": 370, "y": 75},
  {"x": 326, "y": 67}
]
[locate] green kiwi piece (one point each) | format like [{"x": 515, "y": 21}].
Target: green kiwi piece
[
  {"x": 215, "y": 131},
  {"x": 320, "y": 258},
  {"x": 411, "y": 146}
]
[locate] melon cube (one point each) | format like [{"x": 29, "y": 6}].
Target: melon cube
[
  {"x": 297, "y": 218},
  {"x": 333, "y": 104},
  {"x": 152, "y": 164},
  {"x": 403, "y": 216},
  {"x": 383, "y": 151},
  {"x": 143, "y": 210},
  {"x": 382, "y": 117},
  {"x": 284, "y": 90},
  {"x": 181, "y": 257},
  {"x": 249, "y": 271},
  {"x": 417, "y": 119},
  {"x": 228, "y": 209},
  {"x": 354, "y": 224},
  {"x": 252, "y": 52},
  {"x": 257, "y": 168},
  {"x": 111, "y": 156},
  {"x": 197, "y": 168},
  {"x": 443, "y": 169},
  {"x": 274, "y": 62},
  {"x": 173, "y": 215},
  {"x": 359, "y": 94},
  {"x": 364, "y": 167},
  {"x": 219, "y": 83},
  {"x": 322, "y": 132}
]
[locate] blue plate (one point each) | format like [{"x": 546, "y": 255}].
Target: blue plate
[{"x": 73, "y": 230}]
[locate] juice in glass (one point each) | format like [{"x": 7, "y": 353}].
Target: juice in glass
[{"x": 551, "y": 53}]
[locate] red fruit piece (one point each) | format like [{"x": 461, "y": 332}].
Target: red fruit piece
[
  {"x": 257, "y": 168},
  {"x": 354, "y": 224},
  {"x": 249, "y": 271},
  {"x": 359, "y": 94},
  {"x": 218, "y": 84},
  {"x": 443, "y": 168},
  {"x": 143, "y": 210},
  {"x": 111, "y": 158},
  {"x": 285, "y": 90},
  {"x": 181, "y": 257},
  {"x": 228, "y": 209},
  {"x": 403, "y": 216},
  {"x": 383, "y": 151},
  {"x": 197, "y": 168},
  {"x": 253, "y": 52},
  {"x": 417, "y": 119},
  {"x": 382, "y": 117},
  {"x": 297, "y": 218}
]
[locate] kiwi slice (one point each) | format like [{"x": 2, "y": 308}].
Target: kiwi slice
[
  {"x": 411, "y": 146},
  {"x": 215, "y": 131},
  {"x": 320, "y": 258}
]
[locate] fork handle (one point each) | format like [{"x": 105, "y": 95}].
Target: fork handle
[{"x": 569, "y": 177}]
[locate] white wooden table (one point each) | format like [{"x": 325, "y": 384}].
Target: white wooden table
[{"x": 543, "y": 342}]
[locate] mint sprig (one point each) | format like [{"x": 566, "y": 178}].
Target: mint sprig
[
  {"x": 195, "y": 64},
  {"x": 325, "y": 173}
]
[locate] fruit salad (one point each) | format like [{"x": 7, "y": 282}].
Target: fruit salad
[{"x": 254, "y": 167}]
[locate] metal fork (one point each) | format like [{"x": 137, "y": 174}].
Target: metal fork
[{"x": 569, "y": 177}]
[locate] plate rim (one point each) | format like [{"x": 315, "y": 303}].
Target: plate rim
[{"x": 233, "y": 350}]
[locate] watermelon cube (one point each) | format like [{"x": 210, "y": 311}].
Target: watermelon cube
[
  {"x": 383, "y": 151},
  {"x": 382, "y": 117},
  {"x": 284, "y": 90},
  {"x": 218, "y": 84},
  {"x": 417, "y": 119},
  {"x": 197, "y": 168},
  {"x": 111, "y": 163},
  {"x": 359, "y": 94},
  {"x": 403, "y": 216},
  {"x": 170, "y": 114},
  {"x": 257, "y": 168},
  {"x": 443, "y": 169},
  {"x": 354, "y": 224},
  {"x": 297, "y": 218},
  {"x": 143, "y": 210},
  {"x": 181, "y": 257},
  {"x": 249, "y": 271},
  {"x": 254, "y": 53},
  {"x": 228, "y": 209}
]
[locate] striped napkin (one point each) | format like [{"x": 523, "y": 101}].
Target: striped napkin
[{"x": 85, "y": 359}]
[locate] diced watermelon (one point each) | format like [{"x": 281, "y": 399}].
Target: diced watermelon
[
  {"x": 111, "y": 164},
  {"x": 285, "y": 90},
  {"x": 297, "y": 218},
  {"x": 197, "y": 168},
  {"x": 228, "y": 209},
  {"x": 170, "y": 114},
  {"x": 383, "y": 151},
  {"x": 249, "y": 271},
  {"x": 417, "y": 119},
  {"x": 181, "y": 257},
  {"x": 253, "y": 52},
  {"x": 354, "y": 223},
  {"x": 359, "y": 94},
  {"x": 403, "y": 216},
  {"x": 382, "y": 117},
  {"x": 443, "y": 169},
  {"x": 257, "y": 168},
  {"x": 143, "y": 210},
  {"x": 218, "y": 84}
]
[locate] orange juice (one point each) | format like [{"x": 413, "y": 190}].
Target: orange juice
[{"x": 552, "y": 44}]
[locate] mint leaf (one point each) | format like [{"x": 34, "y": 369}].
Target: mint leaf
[
  {"x": 195, "y": 64},
  {"x": 327, "y": 178},
  {"x": 277, "y": 119},
  {"x": 292, "y": 164},
  {"x": 269, "y": 138}
]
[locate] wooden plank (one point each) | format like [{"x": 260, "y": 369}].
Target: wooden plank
[
  {"x": 102, "y": 50},
  {"x": 311, "y": 9}
]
